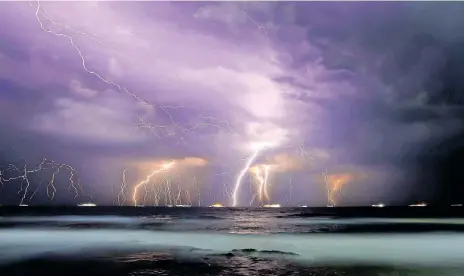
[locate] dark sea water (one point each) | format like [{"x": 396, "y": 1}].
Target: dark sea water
[{"x": 240, "y": 241}]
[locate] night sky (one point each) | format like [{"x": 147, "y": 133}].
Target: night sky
[{"x": 369, "y": 92}]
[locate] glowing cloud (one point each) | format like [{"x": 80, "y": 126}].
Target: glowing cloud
[
  {"x": 285, "y": 162},
  {"x": 334, "y": 185},
  {"x": 164, "y": 167}
]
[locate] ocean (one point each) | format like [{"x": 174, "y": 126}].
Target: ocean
[{"x": 231, "y": 241}]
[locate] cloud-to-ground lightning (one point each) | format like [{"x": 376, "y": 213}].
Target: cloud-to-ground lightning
[
  {"x": 261, "y": 174},
  {"x": 259, "y": 181},
  {"x": 163, "y": 168},
  {"x": 23, "y": 176},
  {"x": 334, "y": 185},
  {"x": 241, "y": 175},
  {"x": 300, "y": 151},
  {"x": 258, "y": 147},
  {"x": 69, "y": 34},
  {"x": 122, "y": 195},
  {"x": 166, "y": 183},
  {"x": 266, "y": 178}
]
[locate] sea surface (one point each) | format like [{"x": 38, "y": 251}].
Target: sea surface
[{"x": 231, "y": 241}]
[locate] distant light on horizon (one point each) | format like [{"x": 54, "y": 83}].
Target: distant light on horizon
[
  {"x": 422, "y": 204},
  {"x": 272, "y": 206},
  {"x": 380, "y": 205},
  {"x": 87, "y": 204},
  {"x": 217, "y": 205}
]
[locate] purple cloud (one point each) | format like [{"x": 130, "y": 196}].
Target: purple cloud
[{"x": 357, "y": 83}]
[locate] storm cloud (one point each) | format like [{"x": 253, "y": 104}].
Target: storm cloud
[{"x": 349, "y": 88}]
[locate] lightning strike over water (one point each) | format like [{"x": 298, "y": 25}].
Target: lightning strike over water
[
  {"x": 241, "y": 175},
  {"x": 257, "y": 150},
  {"x": 261, "y": 181},
  {"x": 266, "y": 178},
  {"x": 122, "y": 194},
  {"x": 25, "y": 173},
  {"x": 169, "y": 189},
  {"x": 163, "y": 168},
  {"x": 334, "y": 185},
  {"x": 261, "y": 174}
]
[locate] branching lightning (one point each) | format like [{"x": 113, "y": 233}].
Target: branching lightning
[
  {"x": 166, "y": 188},
  {"x": 261, "y": 174},
  {"x": 241, "y": 175},
  {"x": 334, "y": 185},
  {"x": 209, "y": 121},
  {"x": 265, "y": 184},
  {"x": 163, "y": 168},
  {"x": 122, "y": 195},
  {"x": 255, "y": 194},
  {"x": 259, "y": 147},
  {"x": 12, "y": 174}
]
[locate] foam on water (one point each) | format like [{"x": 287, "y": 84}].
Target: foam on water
[{"x": 433, "y": 249}]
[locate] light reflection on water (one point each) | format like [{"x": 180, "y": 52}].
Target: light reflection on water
[
  {"x": 166, "y": 264},
  {"x": 189, "y": 226}
]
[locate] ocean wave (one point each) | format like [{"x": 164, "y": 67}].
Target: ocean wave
[
  {"x": 209, "y": 217},
  {"x": 248, "y": 251},
  {"x": 374, "y": 249}
]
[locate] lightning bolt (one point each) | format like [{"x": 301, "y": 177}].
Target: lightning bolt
[
  {"x": 262, "y": 175},
  {"x": 36, "y": 190},
  {"x": 260, "y": 179},
  {"x": 164, "y": 167},
  {"x": 260, "y": 183},
  {"x": 195, "y": 183},
  {"x": 70, "y": 38},
  {"x": 25, "y": 173},
  {"x": 258, "y": 148},
  {"x": 255, "y": 194},
  {"x": 249, "y": 161},
  {"x": 265, "y": 182},
  {"x": 242, "y": 174},
  {"x": 334, "y": 185},
  {"x": 242, "y": 11},
  {"x": 327, "y": 186},
  {"x": 122, "y": 194},
  {"x": 93, "y": 37}
]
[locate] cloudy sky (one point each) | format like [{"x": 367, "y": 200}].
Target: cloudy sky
[{"x": 367, "y": 93}]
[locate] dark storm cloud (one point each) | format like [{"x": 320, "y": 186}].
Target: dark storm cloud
[
  {"x": 368, "y": 86},
  {"x": 404, "y": 62}
]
